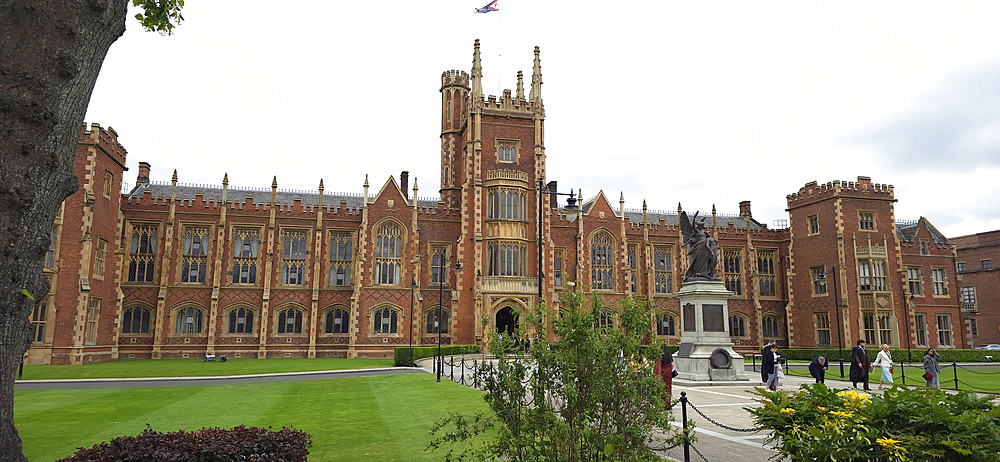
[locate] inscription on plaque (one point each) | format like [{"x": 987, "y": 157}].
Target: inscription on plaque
[
  {"x": 688, "y": 313},
  {"x": 712, "y": 318}
]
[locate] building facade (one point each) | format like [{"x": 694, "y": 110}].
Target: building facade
[
  {"x": 175, "y": 271},
  {"x": 979, "y": 284}
]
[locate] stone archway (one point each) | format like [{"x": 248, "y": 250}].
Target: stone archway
[{"x": 507, "y": 321}]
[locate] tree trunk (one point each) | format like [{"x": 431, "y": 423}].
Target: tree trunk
[{"x": 50, "y": 55}]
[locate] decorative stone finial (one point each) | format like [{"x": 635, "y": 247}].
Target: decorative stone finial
[
  {"x": 225, "y": 180},
  {"x": 174, "y": 178},
  {"x": 536, "y": 80},
  {"x": 477, "y": 74},
  {"x": 520, "y": 86}
]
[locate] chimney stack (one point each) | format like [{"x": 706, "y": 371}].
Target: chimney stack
[
  {"x": 404, "y": 183},
  {"x": 745, "y": 209},
  {"x": 143, "y": 176}
]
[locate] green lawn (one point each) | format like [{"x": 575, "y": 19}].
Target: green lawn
[
  {"x": 370, "y": 418},
  {"x": 980, "y": 378},
  {"x": 129, "y": 368}
]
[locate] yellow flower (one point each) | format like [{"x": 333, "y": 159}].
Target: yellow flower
[
  {"x": 842, "y": 414},
  {"x": 788, "y": 411},
  {"x": 890, "y": 443},
  {"x": 821, "y": 409}
]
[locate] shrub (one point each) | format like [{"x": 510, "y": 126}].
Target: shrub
[
  {"x": 819, "y": 423},
  {"x": 207, "y": 444},
  {"x": 406, "y": 356}
]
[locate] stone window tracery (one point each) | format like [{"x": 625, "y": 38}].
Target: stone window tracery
[
  {"x": 663, "y": 276},
  {"x": 195, "y": 259},
  {"x": 136, "y": 320},
  {"x": 765, "y": 273},
  {"x": 388, "y": 254},
  {"x": 189, "y": 321},
  {"x": 246, "y": 245},
  {"x": 340, "y": 258},
  {"x": 336, "y": 321},
  {"x": 142, "y": 253},
  {"x": 293, "y": 257},
  {"x": 506, "y": 258},
  {"x": 602, "y": 261},
  {"x": 290, "y": 321},
  {"x": 384, "y": 321},
  {"x": 732, "y": 271},
  {"x": 241, "y": 321}
]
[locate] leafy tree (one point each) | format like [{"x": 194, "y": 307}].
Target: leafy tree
[
  {"x": 589, "y": 395},
  {"x": 50, "y": 55}
]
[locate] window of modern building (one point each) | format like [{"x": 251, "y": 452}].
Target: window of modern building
[
  {"x": 507, "y": 151},
  {"x": 246, "y": 245},
  {"x": 384, "y": 321},
  {"x": 290, "y": 321},
  {"x": 142, "y": 253},
  {"x": 388, "y": 254},
  {"x": 939, "y": 277},
  {"x": 732, "y": 271},
  {"x": 866, "y": 221},
  {"x": 439, "y": 255},
  {"x": 666, "y": 324},
  {"x": 813, "y": 224},
  {"x": 136, "y": 320},
  {"x": 100, "y": 253},
  {"x": 920, "y": 321},
  {"x": 341, "y": 259},
  {"x": 738, "y": 326},
  {"x": 241, "y": 321},
  {"x": 50, "y": 256},
  {"x": 93, "y": 314},
  {"x": 885, "y": 329},
  {"x": 818, "y": 274},
  {"x": 822, "y": 321},
  {"x": 987, "y": 264},
  {"x": 293, "y": 257},
  {"x": 602, "y": 261},
  {"x": 195, "y": 259},
  {"x": 663, "y": 277},
  {"x": 765, "y": 272},
  {"x": 944, "y": 329},
  {"x": 868, "y": 322},
  {"x": 606, "y": 320},
  {"x": 336, "y": 321},
  {"x": 913, "y": 280},
  {"x": 38, "y": 320},
  {"x": 188, "y": 321},
  {"x": 557, "y": 267},
  {"x": 506, "y": 258},
  {"x": 771, "y": 327},
  {"x": 961, "y": 267},
  {"x": 633, "y": 251},
  {"x": 432, "y": 320}
]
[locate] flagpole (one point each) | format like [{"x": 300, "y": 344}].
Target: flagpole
[{"x": 500, "y": 55}]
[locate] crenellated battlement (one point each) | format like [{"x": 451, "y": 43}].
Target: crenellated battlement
[
  {"x": 508, "y": 103},
  {"x": 105, "y": 140},
  {"x": 813, "y": 192},
  {"x": 454, "y": 77}
]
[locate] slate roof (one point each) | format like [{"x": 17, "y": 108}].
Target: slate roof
[
  {"x": 907, "y": 230},
  {"x": 260, "y": 195},
  {"x": 654, "y": 216}
]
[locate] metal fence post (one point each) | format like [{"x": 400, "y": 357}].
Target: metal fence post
[
  {"x": 475, "y": 375},
  {"x": 684, "y": 415},
  {"x": 902, "y": 371},
  {"x": 954, "y": 368}
]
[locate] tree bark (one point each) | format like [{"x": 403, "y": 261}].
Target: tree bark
[{"x": 50, "y": 55}]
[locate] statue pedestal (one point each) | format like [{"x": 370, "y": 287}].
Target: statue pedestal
[{"x": 706, "y": 352}]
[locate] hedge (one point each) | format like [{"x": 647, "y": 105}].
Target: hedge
[
  {"x": 898, "y": 355},
  {"x": 207, "y": 444},
  {"x": 405, "y": 356}
]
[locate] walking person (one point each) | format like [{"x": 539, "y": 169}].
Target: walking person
[
  {"x": 932, "y": 368},
  {"x": 860, "y": 364},
  {"x": 667, "y": 372},
  {"x": 884, "y": 360},
  {"x": 773, "y": 367},
  {"x": 766, "y": 350},
  {"x": 817, "y": 369}
]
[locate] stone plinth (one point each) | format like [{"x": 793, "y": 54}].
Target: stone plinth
[{"x": 706, "y": 351}]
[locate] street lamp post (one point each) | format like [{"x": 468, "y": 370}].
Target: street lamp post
[
  {"x": 572, "y": 211},
  {"x": 458, "y": 267},
  {"x": 906, "y": 310},
  {"x": 840, "y": 327}
]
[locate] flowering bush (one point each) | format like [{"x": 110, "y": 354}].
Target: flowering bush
[{"x": 819, "y": 423}]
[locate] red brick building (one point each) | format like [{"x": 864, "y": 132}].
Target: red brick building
[
  {"x": 169, "y": 270},
  {"x": 978, "y": 257}
]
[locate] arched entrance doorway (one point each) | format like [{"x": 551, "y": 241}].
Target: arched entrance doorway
[{"x": 507, "y": 322}]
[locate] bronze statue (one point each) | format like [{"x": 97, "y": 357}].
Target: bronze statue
[{"x": 702, "y": 249}]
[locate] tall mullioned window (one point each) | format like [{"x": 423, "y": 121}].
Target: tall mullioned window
[
  {"x": 38, "y": 321},
  {"x": 913, "y": 280},
  {"x": 771, "y": 327},
  {"x": 663, "y": 277},
  {"x": 241, "y": 321},
  {"x": 506, "y": 151},
  {"x": 433, "y": 323},
  {"x": 732, "y": 270},
  {"x": 136, "y": 320},
  {"x": 944, "y": 329},
  {"x": 868, "y": 321},
  {"x": 93, "y": 314},
  {"x": 506, "y": 204},
  {"x": 195, "y": 259},
  {"x": 506, "y": 258},
  {"x": 99, "y": 254},
  {"x": 765, "y": 272},
  {"x": 666, "y": 324},
  {"x": 384, "y": 321},
  {"x": 940, "y": 281},
  {"x": 885, "y": 329},
  {"x": 737, "y": 326},
  {"x": 866, "y": 221},
  {"x": 388, "y": 254},
  {"x": 336, "y": 321},
  {"x": 293, "y": 257},
  {"x": 822, "y": 321},
  {"x": 438, "y": 267},
  {"x": 142, "y": 253},
  {"x": 340, "y": 258},
  {"x": 557, "y": 267},
  {"x": 290, "y": 321},
  {"x": 50, "y": 256},
  {"x": 602, "y": 261},
  {"x": 871, "y": 276},
  {"x": 633, "y": 251},
  {"x": 246, "y": 245},
  {"x": 818, "y": 274},
  {"x": 920, "y": 321},
  {"x": 189, "y": 321}
]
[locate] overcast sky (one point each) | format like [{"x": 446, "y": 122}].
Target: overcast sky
[{"x": 695, "y": 102}]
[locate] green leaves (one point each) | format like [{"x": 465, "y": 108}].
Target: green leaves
[
  {"x": 159, "y": 15},
  {"x": 27, "y": 294}
]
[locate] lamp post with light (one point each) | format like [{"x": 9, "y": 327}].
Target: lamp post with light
[
  {"x": 572, "y": 211},
  {"x": 458, "y": 267},
  {"x": 840, "y": 327}
]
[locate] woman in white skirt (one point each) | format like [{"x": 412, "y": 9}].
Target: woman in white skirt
[{"x": 885, "y": 361}]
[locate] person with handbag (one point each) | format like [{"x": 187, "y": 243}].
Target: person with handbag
[
  {"x": 667, "y": 372},
  {"x": 884, "y": 360},
  {"x": 817, "y": 369},
  {"x": 932, "y": 368},
  {"x": 773, "y": 368}
]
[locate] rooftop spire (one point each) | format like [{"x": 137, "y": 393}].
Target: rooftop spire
[
  {"x": 520, "y": 85},
  {"x": 536, "y": 80},
  {"x": 477, "y": 74}
]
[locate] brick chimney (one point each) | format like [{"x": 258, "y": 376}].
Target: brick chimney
[
  {"x": 143, "y": 173},
  {"x": 404, "y": 183},
  {"x": 745, "y": 209}
]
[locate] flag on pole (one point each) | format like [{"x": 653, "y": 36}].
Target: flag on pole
[{"x": 491, "y": 6}]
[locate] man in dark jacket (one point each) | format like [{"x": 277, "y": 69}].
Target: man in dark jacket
[
  {"x": 767, "y": 365},
  {"x": 764, "y": 352},
  {"x": 860, "y": 365},
  {"x": 817, "y": 369}
]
